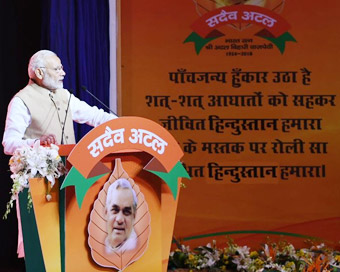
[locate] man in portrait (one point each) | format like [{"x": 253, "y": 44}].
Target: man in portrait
[{"x": 120, "y": 210}]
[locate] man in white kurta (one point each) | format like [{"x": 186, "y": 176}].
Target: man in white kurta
[
  {"x": 38, "y": 111},
  {"x": 44, "y": 111}
]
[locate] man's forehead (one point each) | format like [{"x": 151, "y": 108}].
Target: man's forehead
[
  {"x": 52, "y": 60},
  {"x": 121, "y": 196},
  {"x": 120, "y": 206}
]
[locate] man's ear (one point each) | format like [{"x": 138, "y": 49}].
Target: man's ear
[{"x": 39, "y": 73}]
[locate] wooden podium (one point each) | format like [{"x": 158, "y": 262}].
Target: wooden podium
[{"x": 67, "y": 233}]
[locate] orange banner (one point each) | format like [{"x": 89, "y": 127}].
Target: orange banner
[
  {"x": 258, "y": 126},
  {"x": 123, "y": 134}
]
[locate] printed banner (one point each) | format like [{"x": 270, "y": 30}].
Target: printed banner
[{"x": 250, "y": 90}]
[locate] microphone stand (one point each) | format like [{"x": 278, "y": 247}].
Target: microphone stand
[{"x": 86, "y": 90}]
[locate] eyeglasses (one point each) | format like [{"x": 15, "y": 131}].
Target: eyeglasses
[{"x": 57, "y": 69}]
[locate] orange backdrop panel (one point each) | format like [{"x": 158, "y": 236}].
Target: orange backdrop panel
[{"x": 152, "y": 36}]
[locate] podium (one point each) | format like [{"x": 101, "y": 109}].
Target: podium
[{"x": 70, "y": 232}]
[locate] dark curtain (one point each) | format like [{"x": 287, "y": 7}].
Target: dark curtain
[
  {"x": 20, "y": 24},
  {"x": 78, "y": 31}
]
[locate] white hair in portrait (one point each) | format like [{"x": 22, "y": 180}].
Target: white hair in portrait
[{"x": 124, "y": 184}]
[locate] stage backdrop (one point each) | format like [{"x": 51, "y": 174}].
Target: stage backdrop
[{"x": 251, "y": 93}]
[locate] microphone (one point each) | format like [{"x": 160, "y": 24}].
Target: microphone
[
  {"x": 86, "y": 90},
  {"x": 64, "y": 124}
]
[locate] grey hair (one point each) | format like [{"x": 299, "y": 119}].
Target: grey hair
[
  {"x": 124, "y": 184},
  {"x": 37, "y": 61}
]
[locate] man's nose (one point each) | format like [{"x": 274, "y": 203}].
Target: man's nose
[
  {"x": 62, "y": 72},
  {"x": 120, "y": 218}
]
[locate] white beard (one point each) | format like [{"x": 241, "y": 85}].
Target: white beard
[{"x": 51, "y": 84}]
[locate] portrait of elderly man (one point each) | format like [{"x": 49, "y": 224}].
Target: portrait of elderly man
[{"x": 120, "y": 210}]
